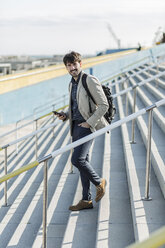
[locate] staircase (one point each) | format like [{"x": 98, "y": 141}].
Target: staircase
[{"x": 122, "y": 217}]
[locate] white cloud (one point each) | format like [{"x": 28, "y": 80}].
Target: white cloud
[{"x": 50, "y": 26}]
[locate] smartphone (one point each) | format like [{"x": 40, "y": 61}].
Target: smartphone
[{"x": 57, "y": 113}]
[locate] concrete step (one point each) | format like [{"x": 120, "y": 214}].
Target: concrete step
[
  {"x": 156, "y": 70},
  {"x": 159, "y": 82},
  {"x": 21, "y": 145},
  {"x": 24, "y": 234},
  {"x": 158, "y": 142},
  {"x": 81, "y": 223},
  {"x": 58, "y": 213},
  {"x": 158, "y": 93},
  {"x": 23, "y": 194},
  {"x": 115, "y": 228},
  {"x": 26, "y": 156},
  {"x": 148, "y": 99},
  {"x": 110, "y": 222},
  {"x": 145, "y": 217}
]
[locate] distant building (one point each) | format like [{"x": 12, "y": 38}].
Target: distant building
[
  {"x": 5, "y": 68},
  {"x": 12, "y": 64}
]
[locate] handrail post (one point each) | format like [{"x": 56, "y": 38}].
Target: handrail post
[
  {"x": 157, "y": 71},
  {"x": 126, "y": 95},
  {"x": 123, "y": 96},
  {"x": 53, "y": 119},
  {"x": 36, "y": 140},
  {"x": 34, "y": 119},
  {"x": 133, "y": 121},
  {"x": 148, "y": 160},
  {"x": 45, "y": 200},
  {"x": 5, "y": 170}
]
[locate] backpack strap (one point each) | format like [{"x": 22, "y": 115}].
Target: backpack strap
[{"x": 84, "y": 83}]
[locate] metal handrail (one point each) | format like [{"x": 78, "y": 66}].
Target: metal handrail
[
  {"x": 125, "y": 67},
  {"x": 54, "y": 124},
  {"x": 158, "y": 61},
  {"x": 139, "y": 84},
  {"x": 13, "y": 130},
  {"x": 93, "y": 135},
  {"x": 5, "y": 147},
  {"x": 41, "y": 117},
  {"x": 134, "y": 87},
  {"x": 69, "y": 147},
  {"x": 155, "y": 240},
  {"x": 74, "y": 144},
  {"x": 30, "y": 135},
  {"x": 50, "y": 104},
  {"x": 130, "y": 76}
]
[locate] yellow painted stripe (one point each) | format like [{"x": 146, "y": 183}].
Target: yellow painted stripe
[
  {"x": 19, "y": 171},
  {"x": 24, "y": 81},
  {"x": 155, "y": 240},
  {"x": 1, "y": 148},
  {"x": 36, "y": 76}
]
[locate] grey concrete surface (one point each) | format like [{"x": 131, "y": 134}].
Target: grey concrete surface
[
  {"x": 120, "y": 217},
  {"x": 145, "y": 217}
]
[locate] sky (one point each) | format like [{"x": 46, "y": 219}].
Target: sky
[{"x": 49, "y": 27}]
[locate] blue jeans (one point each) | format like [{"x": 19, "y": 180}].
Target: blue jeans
[{"x": 80, "y": 159}]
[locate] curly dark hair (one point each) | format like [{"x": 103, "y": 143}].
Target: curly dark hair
[{"x": 72, "y": 57}]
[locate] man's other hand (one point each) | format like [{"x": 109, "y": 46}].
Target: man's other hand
[{"x": 84, "y": 124}]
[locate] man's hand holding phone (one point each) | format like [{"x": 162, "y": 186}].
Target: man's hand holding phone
[{"x": 60, "y": 115}]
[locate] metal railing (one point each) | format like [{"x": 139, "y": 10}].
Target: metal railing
[
  {"x": 83, "y": 140},
  {"x": 148, "y": 59},
  {"x": 51, "y": 104},
  {"x": 123, "y": 69},
  {"x": 73, "y": 145},
  {"x": 125, "y": 77},
  {"x": 54, "y": 124},
  {"x": 5, "y": 147},
  {"x": 134, "y": 87},
  {"x": 31, "y": 122},
  {"x": 114, "y": 96}
]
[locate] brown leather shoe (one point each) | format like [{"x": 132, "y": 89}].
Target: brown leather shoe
[
  {"x": 100, "y": 190},
  {"x": 81, "y": 205}
]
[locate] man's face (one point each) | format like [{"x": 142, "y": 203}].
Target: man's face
[{"x": 74, "y": 69}]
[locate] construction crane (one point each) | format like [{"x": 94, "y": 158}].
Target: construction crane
[
  {"x": 158, "y": 35},
  {"x": 114, "y": 36}
]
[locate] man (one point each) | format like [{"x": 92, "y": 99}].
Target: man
[{"x": 82, "y": 123}]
